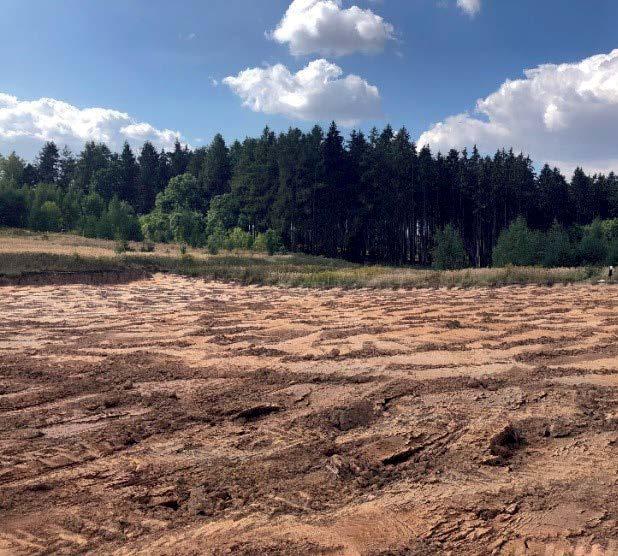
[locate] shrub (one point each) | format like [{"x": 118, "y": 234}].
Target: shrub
[
  {"x": 449, "y": 252},
  {"x": 557, "y": 247},
  {"x": 87, "y": 225},
  {"x": 123, "y": 221},
  {"x": 269, "y": 242},
  {"x": 13, "y": 207},
  {"x": 156, "y": 227},
  {"x": 93, "y": 205},
  {"x": 187, "y": 227},
  {"x": 46, "y": 217},
  {"x": 593, "y": 248},
  {"x": 239, "y": 239},
  {"x": 518, "y": 245},
  {"x": 612, "y": 253},
  {"x": 216, "y": 241},
  {"x": 181, "y": 194}
]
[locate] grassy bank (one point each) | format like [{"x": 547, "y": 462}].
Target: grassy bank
[{"x": 26, "y": 253}]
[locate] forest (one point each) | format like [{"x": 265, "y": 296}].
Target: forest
[{"x": 373, "y": 198}]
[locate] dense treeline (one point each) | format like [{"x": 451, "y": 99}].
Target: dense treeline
[{"x": 370, "y": 198}]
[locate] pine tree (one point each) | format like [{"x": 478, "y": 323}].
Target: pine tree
[
  {"x": 129, "y": 174},
  {"x": 216, "y": 169},
  {"x": 48, "y": 163},
  {"x": 179, "y": 159},
  {"x": 67, "y": 168},
  {"x": 94, "y": 157},
  {"x": 148, "y": 184}
]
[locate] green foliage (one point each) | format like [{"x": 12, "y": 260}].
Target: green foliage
[
  {"x": 13, "y": 206},
  {"x": 558, "y": 250},
  {"x": 593, "y": 248},
  {"x": 123, "y": 221},
  {"x": 518, "y": 245},
  {"x": 45, "y": 217},
  {"x": 372, "y": 198},
  {"x": 269, "y": 242},
  {"x": 238, "y": 239},
  {"x": 449, "y": 252},
  {"x": 181, "y": 194},
  {"x": 216, "y": 241},
  {"x": 93, "y": 205},
  {"x": 116, "y": 221},
  {"x": 222, "y": 213},
  {"x": 12, "y": 169},
  {"x": 188, "y": 227},
  {"x": 156, "y": 227},
  {"x": 48, "y": 163}
]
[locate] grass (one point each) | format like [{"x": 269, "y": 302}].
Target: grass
[{"x": 23, "y": 253}]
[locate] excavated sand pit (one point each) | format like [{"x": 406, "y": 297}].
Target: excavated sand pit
[{"x": 173, "y": 416}]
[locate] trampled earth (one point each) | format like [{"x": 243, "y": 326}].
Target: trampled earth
[{"x": 175, "y": 416}]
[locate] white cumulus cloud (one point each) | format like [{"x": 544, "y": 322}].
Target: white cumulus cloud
[
  {"x": 471, "y": 7},
  {"x": 317, "y": 92},
  {"x": 564, "y": 114},
  {"x": 326, "y": 28},
  {"x": 26, "y": 124}
]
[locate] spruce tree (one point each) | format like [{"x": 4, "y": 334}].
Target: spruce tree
[
  {"x": 48, "y": 163},
  {"x": 148, "y": 184}
]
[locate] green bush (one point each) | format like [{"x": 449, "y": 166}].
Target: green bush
[
  {"x": 518, "y": 245},
  {"x": 181, "y": 194},
  {"x": 239, "y": 239},
  {"x": 46, "y": 217},
  {"x": 216, "y": 241},
  {"x": 558, "y": 250},
  {"x": 123, "y": 221},
  {"x": 188, "y": 227},
  {"x": 269, "y": 242},
  {"x": 593, "y": 248},
  {"x": 449, "y": 252},
  {"x": 156, "y": 227},
  {"x": 13, "y": 206},
  {"x": 93, "y": 205}
]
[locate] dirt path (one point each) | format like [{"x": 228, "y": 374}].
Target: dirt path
[{"x": 174, "y": 416}]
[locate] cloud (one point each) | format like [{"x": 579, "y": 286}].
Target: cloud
[
  {"x": 471, "y": 7},
  {"x": 325, "y": 28},
  {"x": 564, "y": 114},
  {"x": 316, "y": 92},
  {"x": 26, "y": 124}
]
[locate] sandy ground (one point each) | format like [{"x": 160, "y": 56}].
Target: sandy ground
[{"x": 175, "y": 416}]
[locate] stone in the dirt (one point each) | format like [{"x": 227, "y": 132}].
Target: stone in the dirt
[{"x": 506, "y": 442}]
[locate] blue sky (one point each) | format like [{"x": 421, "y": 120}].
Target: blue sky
[{"x": 156, "y": 61}]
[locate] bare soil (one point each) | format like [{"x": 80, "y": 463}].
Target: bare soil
[{"x": 174, "y": 416}]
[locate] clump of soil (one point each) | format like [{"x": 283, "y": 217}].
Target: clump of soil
[
  {"x": 504, "y": 444},
  {"x": 359, "y": 414}
]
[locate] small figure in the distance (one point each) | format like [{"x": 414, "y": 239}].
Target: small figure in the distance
[{"x": 610, "y": 274}]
